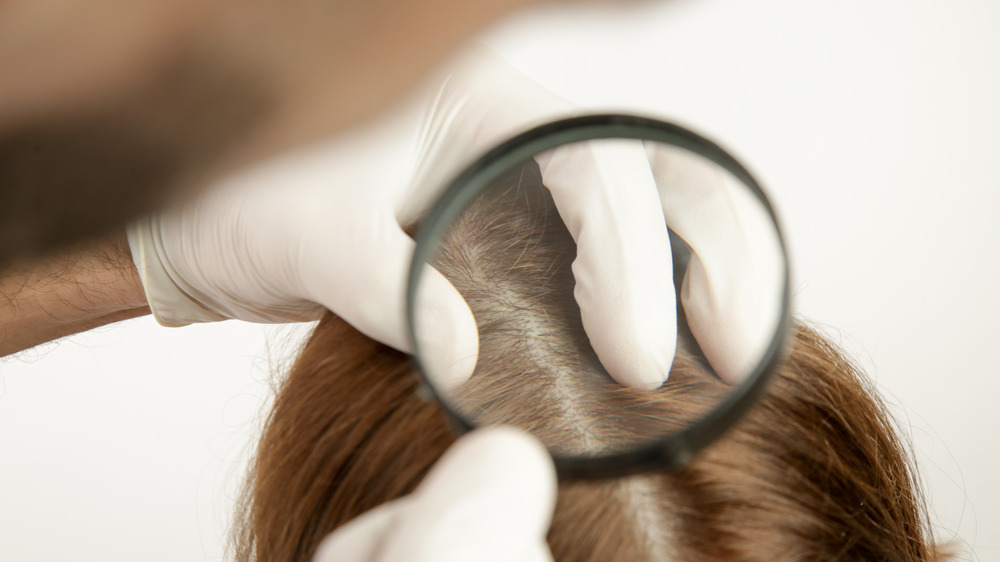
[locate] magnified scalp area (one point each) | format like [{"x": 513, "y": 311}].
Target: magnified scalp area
[{"x": 510, "y": 256}]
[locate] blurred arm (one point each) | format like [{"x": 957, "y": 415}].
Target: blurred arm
[{"x": 69, "y": 292}]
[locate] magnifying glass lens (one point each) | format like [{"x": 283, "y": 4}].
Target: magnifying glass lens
[{"x": 506, "y": 237}]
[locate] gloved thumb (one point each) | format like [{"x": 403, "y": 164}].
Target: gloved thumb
[{"x": 490, "y": 498}]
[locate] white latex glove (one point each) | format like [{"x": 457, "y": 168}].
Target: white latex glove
[
  {"x": 489, "y": 498},
  {"x": 732, "y": 290},
  {"x": 322, "y": 226},
  {"x": 316, "y": 228}
]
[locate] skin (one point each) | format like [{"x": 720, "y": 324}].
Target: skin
[
  {"x": 71, "y": 291},
  {"x": 141, "y": 102}
]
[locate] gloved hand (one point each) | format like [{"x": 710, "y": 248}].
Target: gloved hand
[
  {"x": 322, "y": 225},
  {"x": 316, "y": 228},
  {"x": 489, "y": 498}
]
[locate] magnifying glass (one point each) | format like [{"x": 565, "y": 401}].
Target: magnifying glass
[{"x": 497, "y": 236}]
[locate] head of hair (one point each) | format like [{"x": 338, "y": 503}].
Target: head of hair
[{"x": 815, "y": 471}]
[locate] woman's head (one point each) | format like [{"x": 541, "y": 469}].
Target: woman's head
[{"x": 814, "y": 472}]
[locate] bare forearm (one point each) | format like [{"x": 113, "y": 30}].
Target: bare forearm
[{"x": 81, "y": 288}]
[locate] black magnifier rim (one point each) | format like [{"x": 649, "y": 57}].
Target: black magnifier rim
[{"x": 671, "y": 451}]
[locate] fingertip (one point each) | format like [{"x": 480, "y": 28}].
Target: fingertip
[
  {"x": 735, "y": 350},
  {"x": 489, "y": 498},
  {"x": 446, "y": 338},
  {"x": 359, "y": 539},
  {"x": 645, "y": 365},
  {"x": 502, "y": 456},
  {"x": 636, "y": 346}
]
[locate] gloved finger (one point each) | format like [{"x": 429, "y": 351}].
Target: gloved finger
[
  {"x": 489, "y": 498},
  {"x": 606, "y": 195},
  {"x": 360, "y": 539},
  {"x": 360, "y": 272},
  {"x": 732, "y": 290},
  {"x": 496, "y": 483}
]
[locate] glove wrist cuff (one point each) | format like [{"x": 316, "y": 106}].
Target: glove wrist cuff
[{"x": 170, "y": 305}]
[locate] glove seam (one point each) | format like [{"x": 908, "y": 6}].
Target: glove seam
[{"x": 170, "y": 305}]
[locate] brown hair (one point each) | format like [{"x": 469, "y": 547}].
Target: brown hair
[{"x": 816, "y": 471}]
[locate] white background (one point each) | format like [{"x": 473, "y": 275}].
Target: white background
[{"x": 873, "y": 124}]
